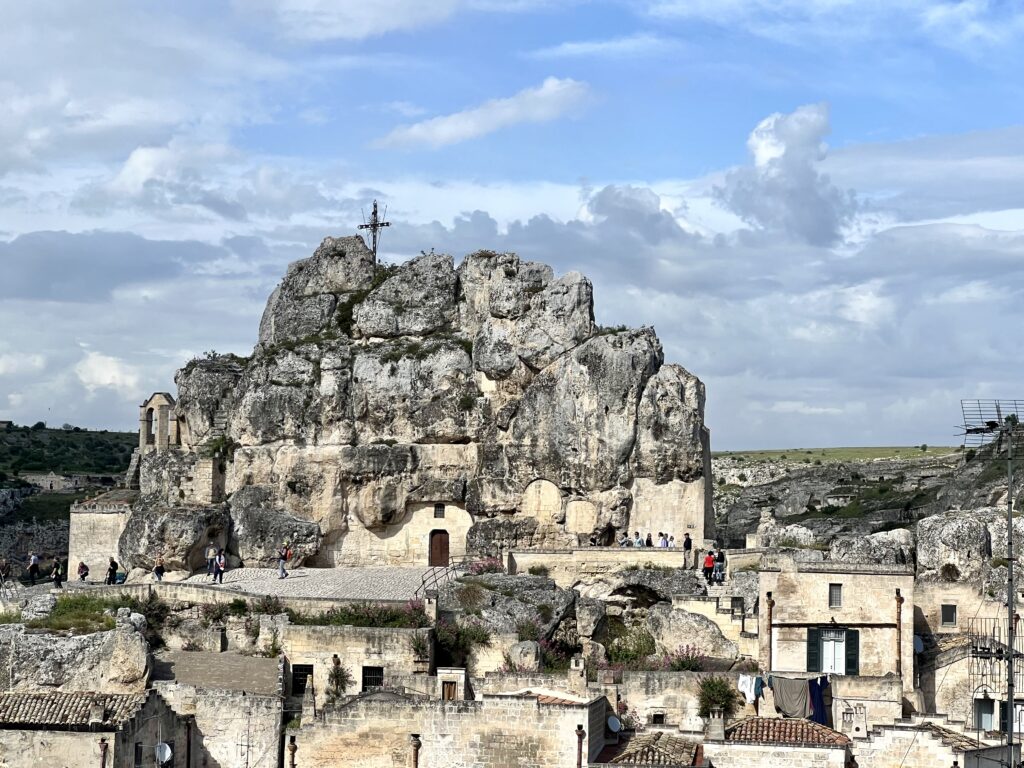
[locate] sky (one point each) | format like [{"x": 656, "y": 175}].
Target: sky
[{"x": 818, "y": 204}]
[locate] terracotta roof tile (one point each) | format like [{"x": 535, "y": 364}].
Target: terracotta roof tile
[
  {"x": 67, "y": 709},
  {"x": 652, "y": 748},
  {"x": 767, "y": 730}
]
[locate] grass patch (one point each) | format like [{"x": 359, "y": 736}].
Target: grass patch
[
  {"x": 10, "y": 617},
  {"x": 81, "y": 614}
]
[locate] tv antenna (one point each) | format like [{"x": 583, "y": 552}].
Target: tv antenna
[
  {"x": 375, "y": 225},
  {"x": 995, "y": 425}
]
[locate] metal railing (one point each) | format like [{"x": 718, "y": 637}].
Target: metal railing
[{"x": 439, "y": 575}]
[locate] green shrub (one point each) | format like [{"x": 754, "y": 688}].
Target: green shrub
[
  {"x": 10, "y": 617},
  {"x": 420, "y": 645},
  {"x": 538, "y": 570},
  {"x": 470, "y": 596},
  {"x": 456, "y": 641},
  {"x": 214, "y": 613},
  {"x": 238, "y": 607},
  {"x": 546, "y": 612},
  {"x": 686, "y": 658},
  {"x": 949, "y": 572},
  {"x": 528, "y": 630},
  {"x": 338, "y": 681},
  {"x": 633, "y": 646},
  {"x": 410, "y": 616},
  {"x": 715, "y": 692},
  {"x": 997, "y": 562},
  {"x": 268, "y": 604}
]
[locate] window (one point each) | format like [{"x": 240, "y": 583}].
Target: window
[
  {"x": 835, "y": 595},
  {"x": 984, "y": 714},
  {"x": 449, "y": 689},
  {"x": 299, "y": 674},
  {"x": 948, "y": 615},
  {"x": 834, "y": 650},
  {"x": 373, "y": 677},
  {"x": 658, "y": 718},
  {"x": 138, "y": 754},
  {"x": 439, "y": 510}
]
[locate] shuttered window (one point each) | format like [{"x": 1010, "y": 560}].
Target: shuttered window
[
  {"x": 853, "y": 652},
  {"x": 813, "y": 649},
  {"x": 850, "y": 652}
]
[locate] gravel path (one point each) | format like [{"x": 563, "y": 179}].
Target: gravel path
[{"x": 383, "y": 583}]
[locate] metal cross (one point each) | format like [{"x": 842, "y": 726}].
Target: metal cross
[{"x": 375, "y": 225}]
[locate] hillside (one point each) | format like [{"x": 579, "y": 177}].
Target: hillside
[{"x": 23, "y": 449}]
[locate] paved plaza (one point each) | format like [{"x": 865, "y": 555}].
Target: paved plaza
[{"x": 364, "y": 583}]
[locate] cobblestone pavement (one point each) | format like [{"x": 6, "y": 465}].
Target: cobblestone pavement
[
  {"x": 382, "y": 583},
  {"x": 217, "y": 670}
]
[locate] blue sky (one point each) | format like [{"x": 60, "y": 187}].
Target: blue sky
[{"x": 817, "y": 204}]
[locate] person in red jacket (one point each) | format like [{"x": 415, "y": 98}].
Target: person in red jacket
[{"x": 709, "y": 566}]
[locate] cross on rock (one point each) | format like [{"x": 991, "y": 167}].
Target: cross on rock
[{"x": 375, "y": 225}]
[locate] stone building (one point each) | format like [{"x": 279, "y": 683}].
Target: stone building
[{"x": 91, "y": 729}]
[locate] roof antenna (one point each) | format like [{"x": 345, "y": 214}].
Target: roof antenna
[{"x": 375, "y": 224}]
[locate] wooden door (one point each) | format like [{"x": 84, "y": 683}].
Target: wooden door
[{"x": 438, "y": 548}]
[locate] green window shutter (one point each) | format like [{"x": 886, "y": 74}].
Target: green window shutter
[
  {"x": 853, "y": 652},
  {"x": 813, "y": 649}
]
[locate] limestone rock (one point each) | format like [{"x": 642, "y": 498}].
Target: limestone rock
[
  {"x": 116, "y": 661},
  {"x": 504, "y": 603},
  {"x": 260, "y": 530},
  {"x": 674, "y": 627},
  {"x": 417, "y": 301},
  {"x": 38, "y": 607},
  {"x": 179, "y": 534},
  {"x": 589, "y": 617},
  {"x": 641, "y": 587},
  {"x": 525, "y": 656},
  {"x": 375, "y": 392},
  {"x": 960, "y": 545},
  {"x": 894, "y": 547}
]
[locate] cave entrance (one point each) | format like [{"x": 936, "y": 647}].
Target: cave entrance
[{"x": 438, "y": 549}]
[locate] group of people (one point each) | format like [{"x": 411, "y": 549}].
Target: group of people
[
  {"x": 664, "y": 540},
  {"x": 714, "y": 566}
]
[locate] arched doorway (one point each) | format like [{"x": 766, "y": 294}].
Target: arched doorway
[{"x": 438, "y": 554}]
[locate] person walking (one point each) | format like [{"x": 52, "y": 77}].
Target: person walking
[
  {"x": 284, "y": 554},
  {"x": 219, "y": 565},
  {"x": 83, "y": 571},
  {"x": 211, "y": 556},
  {"x": 624, "y": 540},
  {"x": 159, "y": 570},
  {"x": 58, "y": 573},
  {"x": 671, "y": 542},
  {"x": 663, "y": 541},
  {"x": 648, "y": 542},
  {"x": 720, "y": 565},
  {"x": 638, "y": 540},
  {"x": 33, "y": 567},
  {"x": 111, "y": 573},
  {"x": 709, "y": 566},
  {"x": 688, "y": 561}
]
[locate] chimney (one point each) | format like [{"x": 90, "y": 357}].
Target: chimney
[
  {"x": 716, "y": 725},
  {"x": 577, "y": 681},
  {"x": 96, "y": 713}
]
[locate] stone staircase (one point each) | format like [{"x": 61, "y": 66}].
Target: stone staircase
[
  {"x": 919, "y": 740},
  {"x": 727, "y": 611},
  {"x": 131, "y": 477},
  {"x": 220, "y": 423}
]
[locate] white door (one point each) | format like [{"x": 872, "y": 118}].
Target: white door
[{"x": 833, "y": 651}]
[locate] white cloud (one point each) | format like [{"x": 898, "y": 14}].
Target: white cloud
[
  {"x": 21, "y": 364},
  {"x": 552, "y": 99},
  {"x": 352, "y": 19},
  {"x": 798, "y": 406},
  {"x": 633, "y": 46},
  {"x": 98, "y": 371},
  {"x": 784, "y": 191}
]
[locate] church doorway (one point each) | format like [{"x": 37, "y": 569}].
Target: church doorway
[{"x": 438, "y": 549}]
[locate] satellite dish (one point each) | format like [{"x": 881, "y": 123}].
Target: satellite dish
[
  {"x": 613, "y": 724},
  {"x": 163, "y": 753}
]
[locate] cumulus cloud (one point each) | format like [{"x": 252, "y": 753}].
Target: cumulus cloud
[
  {"x": 99, "y": 371},
  {"x": 784, "y": 190},
  {"x": 552, "y": 99}
]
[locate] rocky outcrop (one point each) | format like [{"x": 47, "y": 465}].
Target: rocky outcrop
[
  {"x": 179, "y": 534},
  {"x": 375, "y": 391},
  {"x": 963, "y": 545},
  {"x": 504, "y": 603},
  {"x": 116, "y": 661},
  {"x": 674, "y": 627},
  {"x": 894, "y": 547}
]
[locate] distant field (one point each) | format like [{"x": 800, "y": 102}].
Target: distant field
[
  {"x": 47, "y": 506},
  {"x": 841, "y": 454}
]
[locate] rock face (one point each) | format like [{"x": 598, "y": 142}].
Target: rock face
[
  {"x": 894, "y": 547},
  {"x": 114, "y": 662},
  {"x": 674, "y": 627},
  {"x": 964, "y": 545},
  {"x": 378, "y": 393}
]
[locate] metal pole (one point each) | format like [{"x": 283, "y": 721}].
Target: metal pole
[
  {"x": 1011, "y": 600},
  {"x": 580, "y": 733}
]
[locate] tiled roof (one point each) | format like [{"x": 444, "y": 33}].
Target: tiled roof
[
  {"x": 66, "y": 709},
  {"x": 652, "y": 748},
  {"x": 549, "y": 697},
  {"x": 767, "y": 730},
  {"x": 959, "y": 741}
]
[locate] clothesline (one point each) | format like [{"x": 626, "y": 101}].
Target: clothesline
[{"x": 794, "y": 697}]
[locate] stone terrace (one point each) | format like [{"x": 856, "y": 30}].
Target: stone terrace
[
  {"x": 229, "y": 671},
  {"x": 364, "y": 583}
]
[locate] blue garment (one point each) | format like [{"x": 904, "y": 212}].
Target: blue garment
[
  {"x": 758, "y": 688},
  {"x": 817, "y": 690}
]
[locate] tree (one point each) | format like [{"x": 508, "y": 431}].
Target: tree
[
  {"x": 39, "y": 425},
  {"x": 924, "y": 447}
]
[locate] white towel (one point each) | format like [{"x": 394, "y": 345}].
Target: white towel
[{"x": 746, "y": 687}]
